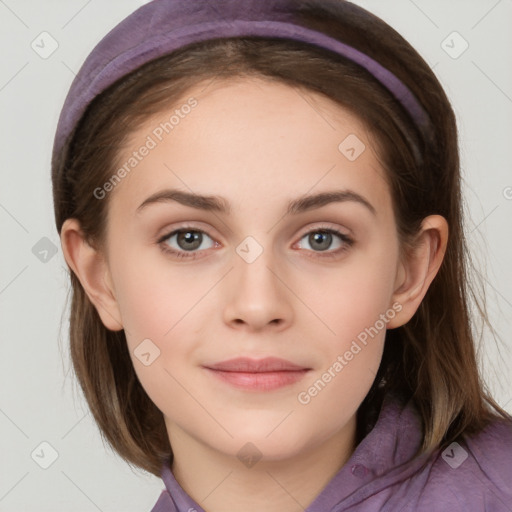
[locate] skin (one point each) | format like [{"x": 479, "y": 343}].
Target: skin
[{"x": 259, "y": 145}]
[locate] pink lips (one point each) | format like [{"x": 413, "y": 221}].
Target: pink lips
[{"x": 258, "y": 374}]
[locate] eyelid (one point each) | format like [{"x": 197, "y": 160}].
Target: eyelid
[
  {"x": 326, "y": 226},
  {"x": 167, "y": 232}
]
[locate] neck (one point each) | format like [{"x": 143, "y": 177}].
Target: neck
[{"x": 218, "y": 481}]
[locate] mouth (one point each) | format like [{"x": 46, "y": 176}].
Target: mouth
[{"x": 257, "y": 374}]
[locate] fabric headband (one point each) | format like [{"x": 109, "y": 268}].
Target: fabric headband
[{"x": 162, "y": 26}]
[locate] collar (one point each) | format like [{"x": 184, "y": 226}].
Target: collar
[{"x": 381, "y": 458}]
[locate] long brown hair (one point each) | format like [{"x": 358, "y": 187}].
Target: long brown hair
[{"x": 432, "y": 358}]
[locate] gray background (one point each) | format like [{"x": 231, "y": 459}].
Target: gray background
[{"x": 39, "y": 401}]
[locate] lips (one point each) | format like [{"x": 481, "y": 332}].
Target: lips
[
  {"x": 244, "y": 364},
  {"x": 257, "y": 374}
]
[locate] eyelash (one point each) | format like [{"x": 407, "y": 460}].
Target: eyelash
[{"x": 193, "y": 255}]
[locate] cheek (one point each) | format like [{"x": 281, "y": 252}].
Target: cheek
[
  {"x": 158, "y": 313},
  {"x": 155, "y": 297},
  {"x": 355, "y": 307},
  {"x": 352, "y": 298},
  {"x": 162, "y": 310}
]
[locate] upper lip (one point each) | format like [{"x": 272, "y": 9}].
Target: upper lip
[{"x": 245, "y": 364}]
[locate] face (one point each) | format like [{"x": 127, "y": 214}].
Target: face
[{"x": 256, "y": 270}]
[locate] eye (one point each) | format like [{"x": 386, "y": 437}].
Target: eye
[
  {"x": 187, "y": 242},
  {"x": 321, "y": 239},
  {"x": 184, "y": 240}
]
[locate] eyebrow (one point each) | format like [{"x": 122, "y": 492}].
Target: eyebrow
[{"x": 221, "y": 205}]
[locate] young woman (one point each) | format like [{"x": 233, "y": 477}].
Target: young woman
[{"x": 260, "y": 206}]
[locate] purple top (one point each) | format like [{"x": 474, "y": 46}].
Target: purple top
[{"x": 473, "y": 474}]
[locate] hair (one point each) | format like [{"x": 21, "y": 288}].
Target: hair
[{"x": 431, "y": 359}]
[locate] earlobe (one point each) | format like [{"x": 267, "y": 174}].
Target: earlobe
[
  {"x": 91, "y": 269},
  {"x": 415, "y": 275}
]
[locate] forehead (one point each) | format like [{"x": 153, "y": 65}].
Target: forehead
[{"x": 251, "y": 138}]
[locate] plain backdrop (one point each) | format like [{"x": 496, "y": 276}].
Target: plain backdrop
[{"x": 39, "y": 400}]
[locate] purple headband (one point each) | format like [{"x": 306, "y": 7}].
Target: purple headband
[{"x": 162, "y": 26}]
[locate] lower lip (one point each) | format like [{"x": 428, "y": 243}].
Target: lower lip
[{"x": 263, "y": 381}]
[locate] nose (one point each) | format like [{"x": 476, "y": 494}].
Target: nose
[{"x": 256, "y": 296}]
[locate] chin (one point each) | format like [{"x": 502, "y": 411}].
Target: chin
[{"x": 269, "y": 443}]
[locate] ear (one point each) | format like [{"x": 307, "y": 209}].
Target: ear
[
  {"x": 417, "y": 272},
  {"x": 91, "y": 268}
]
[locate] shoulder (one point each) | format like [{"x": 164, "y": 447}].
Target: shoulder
[{"x": 474, "y": 473}]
